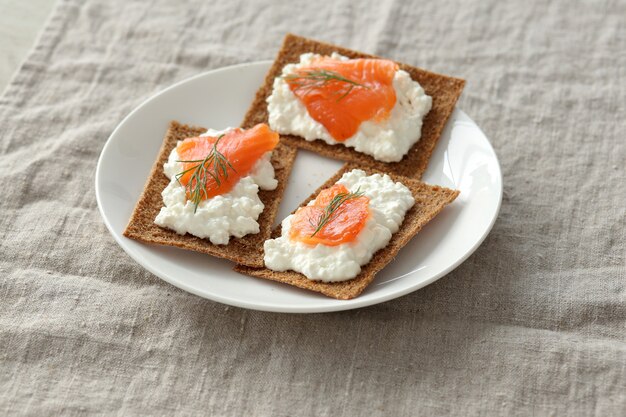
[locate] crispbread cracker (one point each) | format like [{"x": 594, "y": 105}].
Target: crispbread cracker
[
  {"x": 429, "y": 201},
  {"x": 246, "y": 250},
  {"x": 444, "y": 90}
]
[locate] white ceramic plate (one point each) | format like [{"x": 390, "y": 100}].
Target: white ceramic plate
[{"x": 463, "y": 159}]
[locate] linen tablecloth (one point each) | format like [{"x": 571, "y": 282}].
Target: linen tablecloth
[{"x": 533, "y": 323}]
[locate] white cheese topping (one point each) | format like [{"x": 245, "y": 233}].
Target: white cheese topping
[
  {"x": 388, "y": 140},
  {"x": 231, "y": 214},
  {"x": 389, "y": 202}
]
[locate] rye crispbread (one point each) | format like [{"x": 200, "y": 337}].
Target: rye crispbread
[
  {"x": 246, "y": 250},
  {"x": 444, "y": 90},
  {"x": 429, "y": 201}
]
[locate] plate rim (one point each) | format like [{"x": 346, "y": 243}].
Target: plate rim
[{"x": 342, "y": 305}]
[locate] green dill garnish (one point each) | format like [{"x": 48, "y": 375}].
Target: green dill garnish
[
  {"x": 313, "y": 78},
  {"x": 331, "y": 209},
  {"x": 214, "y": 165}
]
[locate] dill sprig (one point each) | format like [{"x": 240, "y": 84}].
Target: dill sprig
[
  {"x": 214, "y": 165},
  {"x": 313, "y": 78},
  {"x": 331, "y": 209}
]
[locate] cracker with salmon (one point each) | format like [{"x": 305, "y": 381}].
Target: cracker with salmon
[
  {"x": 245, "y": 250},
  {"x": 444, "y": 91},
  {"x": 430, "y": 200}
]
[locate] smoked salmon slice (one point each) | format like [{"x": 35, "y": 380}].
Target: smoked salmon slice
[
  {"x": 345, "y": 215},
  {"x": 213, "y": 165},
  {"x": 341, "y": 95}
]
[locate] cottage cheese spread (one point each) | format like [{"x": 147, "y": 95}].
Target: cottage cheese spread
[
  {"x": 387, "y": 141},
  {"x": 389, "y": 202},
  {"x": 231, "y": 214}
]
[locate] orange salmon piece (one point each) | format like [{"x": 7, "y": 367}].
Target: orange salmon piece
[
  {"x": 344, "y": 225},
  {"x": 342, "y": 106},
  {"x": 241, "y": 148}
]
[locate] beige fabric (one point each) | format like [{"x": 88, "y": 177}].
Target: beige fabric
[
  {"x": 20, "y": 22},
  {"x": 532, "y": 324}
]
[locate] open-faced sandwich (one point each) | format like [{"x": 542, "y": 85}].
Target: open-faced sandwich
[
  {"x": 215, "y": 192},
  {"x": 348, "y": 230},
  {"x": 357, "y": 107},
  {"x": 218, "y": 192}
]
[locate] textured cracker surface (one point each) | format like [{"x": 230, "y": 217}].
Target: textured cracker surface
[
  {"x": 245, "y": 250},
  {"x": 444, "y": 90},
  {"x": 429, "y": 201}
]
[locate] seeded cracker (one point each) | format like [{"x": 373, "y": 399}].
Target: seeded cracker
[
  {"x": 444, "y": 90},
  {"x": 246, "y": 250},
  {"x": 429, "y": 201}
]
